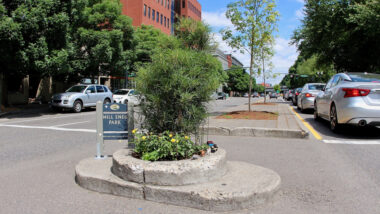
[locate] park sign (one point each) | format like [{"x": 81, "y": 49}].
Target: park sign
[
  {"x": 115, "y": 121},
  {"x": 111, "y": 124}
]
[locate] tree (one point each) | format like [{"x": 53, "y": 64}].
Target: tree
[
  {"x": 277, "y": 88},
  {"x": 194, "y": 34},
  {"x": 177, "y": 85},
  {"x": 35, "y": 40},
  {"x": 248, "y": 18},
  {"x": 343, "y": 33},
  {"x": 238, "y": 80},
  {"x": 104, "y": 40}
]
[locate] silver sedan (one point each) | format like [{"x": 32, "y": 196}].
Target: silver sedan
[
  {"x": 305, "y": 100},
  {"x": 350, "y": 98}
]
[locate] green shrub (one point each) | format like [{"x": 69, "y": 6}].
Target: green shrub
[
  {"x": 165, "y": 146},
  {"x": 177, "y": 86}
]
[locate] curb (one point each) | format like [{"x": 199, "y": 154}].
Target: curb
[
  {"x": 256, "y": 132},
  {"x": 234, "y": 191},
  {"x": 299, "y": 123}
]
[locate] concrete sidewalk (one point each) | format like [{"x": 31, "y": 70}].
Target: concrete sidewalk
[{"x": 286, "y": 125}]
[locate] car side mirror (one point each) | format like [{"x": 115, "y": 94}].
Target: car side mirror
[{"x": 88, "y": 92}]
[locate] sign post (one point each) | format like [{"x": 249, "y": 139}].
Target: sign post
[
  {"x": 99, "y": 130},
  {"x": 112, "y": 124}
]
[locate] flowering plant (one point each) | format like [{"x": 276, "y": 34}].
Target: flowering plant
[{"x": 165, "y": 146}]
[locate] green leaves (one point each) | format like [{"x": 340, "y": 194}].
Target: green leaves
[
  {"x": 177, "y": 85},
  {"x": 342, "y": 33}
]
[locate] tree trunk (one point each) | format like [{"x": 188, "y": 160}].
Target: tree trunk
[{"x": 265, "y": 88}]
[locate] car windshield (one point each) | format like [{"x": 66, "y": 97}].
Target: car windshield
[
  {"x": 121, "y": 92},
  {"x": 316, "y": 87},
  {"x": 365, "y": 77},
  {"x": 77, "y": 88}
]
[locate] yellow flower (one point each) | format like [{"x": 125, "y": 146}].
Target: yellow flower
[
  {"x": 173, "y": 140},
  {"x": 186, "y": 137},
  {"x": 170, "y": 135},
  {"x": 134, "y": 131},
  {"x": 143, "y": 137}
]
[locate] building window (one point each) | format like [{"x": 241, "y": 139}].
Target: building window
[
  {"x": 144, "y": 9},
  {"x": 148, "y": 12},
  {"x": 165, "y": 21},
  {"x": 162, "y": 2},
  {"x": 153, "y": 14},
  {"x": 183, "y": 4},
  {"x": 168, "y": 3},
  {"x": 158, "y": 16},
  {"x": 161, "y": 18}
]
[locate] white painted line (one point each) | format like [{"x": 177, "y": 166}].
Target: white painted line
[
  {"x": 353, "y": 142},
  {"x": 71, "y": 123},
  {"x": 50, "y": 128},
  {"x": 46, "y": 118}
]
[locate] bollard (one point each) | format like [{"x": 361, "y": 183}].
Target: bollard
[{"x": 99, "y": 130}]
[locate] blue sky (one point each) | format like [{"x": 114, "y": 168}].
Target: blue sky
[{"x": 290, "y": 16}]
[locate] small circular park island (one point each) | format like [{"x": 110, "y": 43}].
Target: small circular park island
[{"x": 169, "y": 162}]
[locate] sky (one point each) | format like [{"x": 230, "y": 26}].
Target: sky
[{"x": 291, "y": 12}]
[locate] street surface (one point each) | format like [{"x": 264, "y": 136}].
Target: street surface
[{"x": 39, "y": 151}]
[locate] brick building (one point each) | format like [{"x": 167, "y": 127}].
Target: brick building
[
  {"x": 161, "y": 13},
  {"x": 189, "y": 8},
  {"x": 158, "y": 13}
]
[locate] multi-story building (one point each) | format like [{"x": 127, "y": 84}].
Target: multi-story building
[
  {"x": 161, "y": 14},
  {"x": 188, "y": 8},
  {"x": 158, "y": 13}
]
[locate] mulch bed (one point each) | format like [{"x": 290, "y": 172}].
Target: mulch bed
[
  {"x": 266, "y": 104},
  {"x": 253, "y": 115}
]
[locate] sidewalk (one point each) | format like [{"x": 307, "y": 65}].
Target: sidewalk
[
  {"x": 24, "y": 110},
  {"x": 286, "y": 125}
]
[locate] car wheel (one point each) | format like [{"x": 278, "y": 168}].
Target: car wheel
[
  {"x": 107, "y": 101},
  {"x": 298, "y": 105},
  {"x": 316, "y": 116},
  {"x": 77, "y": 107},
  {"x": 334, "y": 125}
]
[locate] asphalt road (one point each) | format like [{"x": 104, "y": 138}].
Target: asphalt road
[{"x": 39, "y": 151}]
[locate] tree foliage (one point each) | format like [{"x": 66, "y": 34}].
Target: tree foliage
[
  {"x": 237, "y": 81},
  {"x": 177, "y": 85},
  {"x": 344, "y": 33}
]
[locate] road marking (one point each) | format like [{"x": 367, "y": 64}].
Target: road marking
[
  {"x": 50, "y": 128},
  {"x": 308, "y": 126},
  {"x": 71, "y": 123},
  {"x": 45, "y": 118},
  {"x": 353, "y": 142}
]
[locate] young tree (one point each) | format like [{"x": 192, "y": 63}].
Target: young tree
[{"x": 248, "y": 17}]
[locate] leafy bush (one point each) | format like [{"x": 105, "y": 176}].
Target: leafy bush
[
  {"x": 165, "y": 146},
  {"x": 177, "y": 86}
]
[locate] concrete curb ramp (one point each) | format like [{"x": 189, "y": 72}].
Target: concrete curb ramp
[
  {"x": 243, "y": 186},
  {"x": 255, "y": 132}
]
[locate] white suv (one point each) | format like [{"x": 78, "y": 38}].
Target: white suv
[{"x": 80, "y": 96}]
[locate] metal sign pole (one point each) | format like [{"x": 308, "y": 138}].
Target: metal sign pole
[{"x": 99, "y": 130}]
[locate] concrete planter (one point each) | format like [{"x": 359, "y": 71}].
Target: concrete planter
[{"x": 169, "y": 173}]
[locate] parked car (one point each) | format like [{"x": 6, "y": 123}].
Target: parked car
[
  {"x": 222, "y": 96},
  {"x": 255, "y": 94},
  {"x": 297, "y": 91},
  {"x": 262, "y": 94},
  {"x": 350, "y": 98},
  {"x": 273, "y": 95},
  {"x": 307, "y": 96},
  {"x": 288, "y": 95},
  {"x": 214, "y": 96},
  {"x": 81, "y": 96},
  {"x": 126, "y": 95}
]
